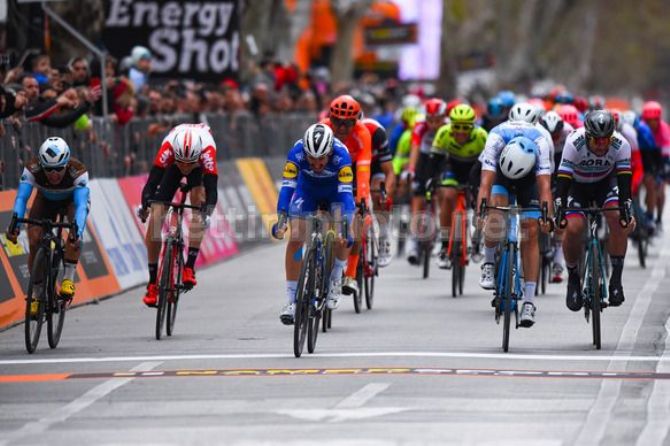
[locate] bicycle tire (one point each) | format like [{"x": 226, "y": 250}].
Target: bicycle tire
[
  {"x": 33, "y": 324},
  {"x": 544, "y": 274},
  {"x": 642, "y": 251},
  {"x": 596, "y": 295},
  {"x": 303, "y": 297},
  {"x": 56, "y": 307},
  {"x": 173, "y": 302},
  {"x": 427, "y": 248},
  {"x": 507, "y": 296},
  {"x": 461, "y": 281},
  {"x": 370, "y": 270},
  {"x": 319, "y": 309},
  {"x": 164, "y": 286},
  {"x": 325, "y": 320},
  {"x": 456, "y": 250},
  {"x": 358, "y": 295}
]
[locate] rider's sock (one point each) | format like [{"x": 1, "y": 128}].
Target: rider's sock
[
  {"x": 353, "y": 264},
  {"x": 489, "y": 254},
  {"x": 153, "y": 272},
  {"x": 291, "y": 286},
  {"x": 617, "y": 269},
  {"x": 444, "y": 236},
  {"x": 529, "y": 291},
  {"x": 68, "y": 271},
  {"x": 338, "y": 267},
  {"x": 558, "y": 255},
  {"x": 192, "y": 255}
]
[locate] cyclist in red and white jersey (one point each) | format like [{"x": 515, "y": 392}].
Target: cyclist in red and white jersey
[{"x": 188, "y": 151}]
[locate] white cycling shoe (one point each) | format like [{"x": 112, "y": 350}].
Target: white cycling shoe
[
  {"x": 487, "y": 280},
  {"x": 334, "y": 295},
  {"x": 385, "y": 255},
  {"x": 527, "y": 318},
  {"x": 287, "y": 314}
]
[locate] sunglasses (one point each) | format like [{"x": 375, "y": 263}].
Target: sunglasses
[
  {"x": 54, "y": 169},
  {"x": 462, "y": 127},
  {"x": 337, "y": 122},
  {"x": 600, "y": 141}
]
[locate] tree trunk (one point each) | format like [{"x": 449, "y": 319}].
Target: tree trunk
[
  {"x": 347, "y": 15},
  {"x": 447, "y": 82}
]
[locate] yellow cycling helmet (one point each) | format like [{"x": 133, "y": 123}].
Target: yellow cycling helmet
[
  {"x": 462, "y": 114},
  {"x": 408, "y": 114}
]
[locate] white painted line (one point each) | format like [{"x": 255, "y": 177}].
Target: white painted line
[
  {"x": 223, "y": 356},
  {"x": 658, "y": 406},
  {"x": 599, "y": 417},
  {"x": 79, "y": 404},
  {"x": 362, "y": 396}
]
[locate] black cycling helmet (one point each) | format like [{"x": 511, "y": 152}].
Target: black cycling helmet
[{"x": 599, "y": 124}]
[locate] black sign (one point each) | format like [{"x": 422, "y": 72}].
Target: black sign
[
  {"x": 394, "y": 34},
  {"x": 188, "y": 39}
]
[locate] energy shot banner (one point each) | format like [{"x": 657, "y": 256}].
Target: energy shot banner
[{"x": 188, "y": 39}]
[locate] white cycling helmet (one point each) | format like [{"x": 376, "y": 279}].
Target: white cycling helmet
[
  {"x": 552, "y": 121},
  {"x": 518, "y": 157},
  {"x": 187, "y": 143},
  {"x": 629, "y": 117},
  {"x": 318, "y": 141},
  {"x": 54, "y": 153},
  {"x": 524, "y": 112}
]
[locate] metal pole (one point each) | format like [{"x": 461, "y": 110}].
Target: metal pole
[{"x": 95, "y": 50}]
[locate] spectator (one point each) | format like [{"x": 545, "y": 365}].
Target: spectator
[
  {"x": 141, "y": 65},
  {"x": 123, "y": 101},
  {"x": 79, "y": 72},
  {"x": 11, "y": 102},
  {"x": 30, "y": 87},
  {"x": 41, "y": 67}
]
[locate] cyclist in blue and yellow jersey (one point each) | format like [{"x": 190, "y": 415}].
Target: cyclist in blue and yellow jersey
[
  {"x": 62, "y": 189},
  {"x": 318, "y": 175},
  {"x": 456, "y": 147}
]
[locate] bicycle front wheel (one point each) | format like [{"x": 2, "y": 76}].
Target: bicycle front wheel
[
  {"x": 596, "y": 295},
  {"x": 56, "y": 307},
  {"x": 370, "y": 269},
  {"x": 36, "y": 293},
  {"x": 303, "y": 298},
  {"x": 507, "y": 295},
  {"x": 173, "y": 299},
  {"x": 165, "y": 287}
]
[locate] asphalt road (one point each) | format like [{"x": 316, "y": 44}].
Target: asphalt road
[{"x": 420, "y": 368}]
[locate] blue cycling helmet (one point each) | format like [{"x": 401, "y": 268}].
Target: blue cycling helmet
[
  {"x": 495, "y": 108},
  {"x": 508, "y": 98},
  {"x": 54, "y": 153},
  {"x": 518, "y": 157},
  {"x": 564, "y": 98}
]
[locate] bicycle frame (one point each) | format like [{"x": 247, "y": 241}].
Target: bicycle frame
[
  {"x": 510, "y": 248},
  {"x": 593, "y": 246},
  {"x": 460, "y": 211}
]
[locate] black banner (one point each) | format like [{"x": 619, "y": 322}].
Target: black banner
[
  {"x": 392, "y": 34},
  {"x": 188, "y": 39}
]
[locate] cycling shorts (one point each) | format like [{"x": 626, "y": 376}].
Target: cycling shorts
[
  {"x": 524, "y": 189},
  {"x": 171, "y": 180}
]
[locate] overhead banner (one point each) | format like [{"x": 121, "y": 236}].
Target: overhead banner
[{"x": 191, "y": 39}]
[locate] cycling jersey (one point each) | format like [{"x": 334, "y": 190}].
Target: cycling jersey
[
  {"x": 423, "y": 136},
  {"x": 560, "y": 142},
  {"x": 73, "y": 187},
  {"x": 401, "y": 157},
  {"x": 645, "y": 137},
  {"x": 304, "y": 189},
  {"x": 205, "y": 174},
  {"x": 359, "y": 145},
  {"x": 662, "y": 138},
  {"x": 500, "y": 135},
  {"x": 380, "y": 143},
  {"x": 582, "y": 165}
]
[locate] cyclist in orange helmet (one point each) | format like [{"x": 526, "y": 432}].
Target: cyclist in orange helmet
[{"x": 344, "y": 119}]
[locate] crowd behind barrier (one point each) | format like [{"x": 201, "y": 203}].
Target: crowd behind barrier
[{"x": 110, "y": 150}]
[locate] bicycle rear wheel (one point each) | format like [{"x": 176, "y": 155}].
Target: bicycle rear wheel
[
  {"x": 56, "y": 307},
  {"x": 370, "y": 269},
  {"x": 642, "y": 250},
  {"x": 33, "y": 322},
  {"x": 358, "y": 296},
  {"x": 425, "y": 258},
  {"x": 306, "y": 287},
  {"x": 456, "y": 250},
  {"x": 317, "y": 311},
  {"x": 596, "y": 295},
  {"x": 175, "y": 280},
  {"x": 507, "y": 295},
  {"x": 165, "y": 286}
]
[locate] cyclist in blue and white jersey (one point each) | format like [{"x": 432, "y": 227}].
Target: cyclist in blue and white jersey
[
  {"x": 317, "y": 176},
  {"x": 516, "y": 160}
]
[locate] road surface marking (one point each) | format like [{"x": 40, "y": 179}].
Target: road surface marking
[
  {"x": 414, "y": 354},
  {"x": 598, "y": 419},
  {"x": 658, "y": 406},
  {"x": 362, "y": 396},
  {"x": 79, "y": 404}
]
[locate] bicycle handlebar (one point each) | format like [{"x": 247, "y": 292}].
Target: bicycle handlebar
[
  {"x": 45, "y": 223},
  {"x": 176, "y": 205}
]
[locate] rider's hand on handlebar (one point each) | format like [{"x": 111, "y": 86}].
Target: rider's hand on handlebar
[
  {"x": 143, "y": 213},
  {"x": 12, "y": 236},
  {"x": 279, "y": 227}
]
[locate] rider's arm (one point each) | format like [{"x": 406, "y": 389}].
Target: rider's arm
[
  {"x": 81, "y": 197},
  {"x": 64, "y": 119},
  {"x": 624, "y": 173},
  {"x": 566, "y": 171},
  {"x": 544, "y": 192},
  {"x": 415, "y": 146},
  {"x": 289, "y": 179},
  {"x": 155, "y": 176},
  {"x": 23, "y": 192},
  {"x": 363, "y": 161},
  {"x": 211, "y": 192}
]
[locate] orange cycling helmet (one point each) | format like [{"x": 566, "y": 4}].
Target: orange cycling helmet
[
  {"x": 651, "y": 110},
  {"x": 345, "y": 107}
]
